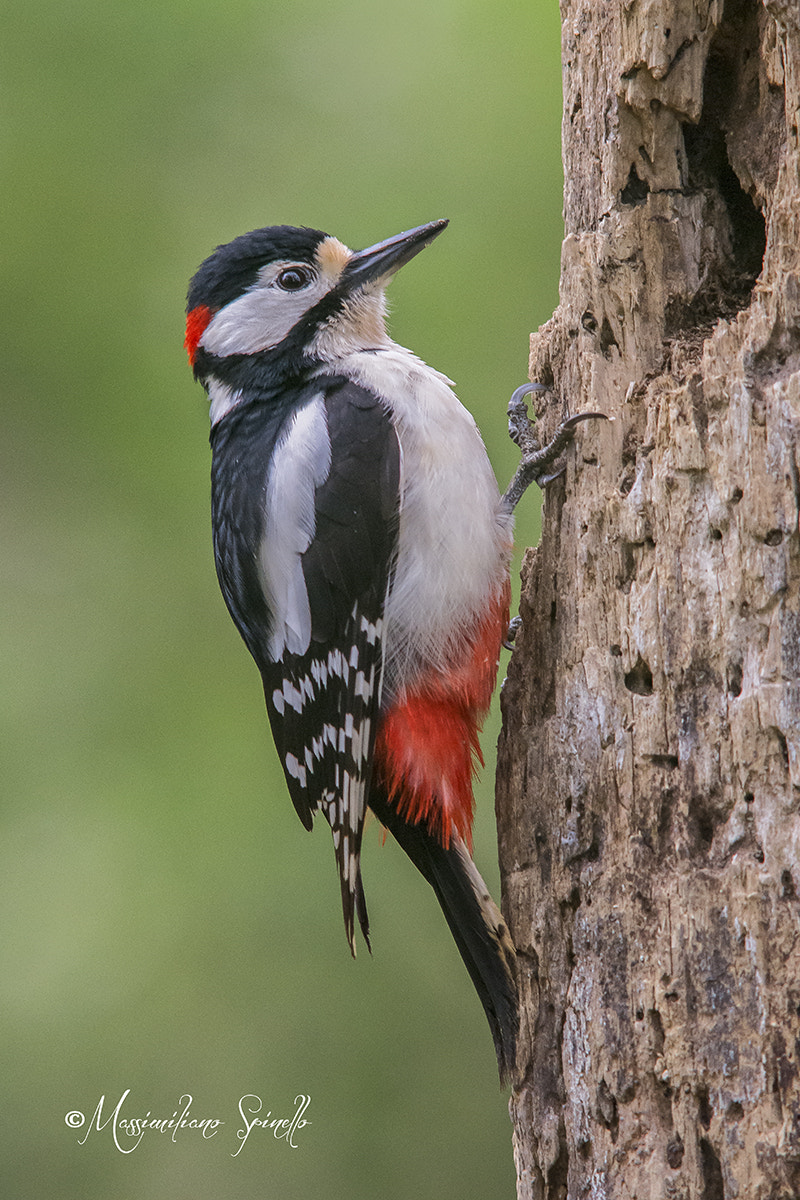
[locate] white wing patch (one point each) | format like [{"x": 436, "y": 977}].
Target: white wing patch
[{"x": 300, "y": 464}]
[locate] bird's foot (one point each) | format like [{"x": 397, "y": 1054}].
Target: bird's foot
[
  {"x": 514, "y": 626},
  {"x": 536, "y": 459}
]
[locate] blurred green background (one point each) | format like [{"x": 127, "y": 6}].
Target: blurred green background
[{"x": 168, "y": 926}]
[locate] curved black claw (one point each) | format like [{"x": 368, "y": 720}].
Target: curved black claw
[
  {"x": 535, "y": 458},
  {"x": 514, "y": 626},
  {"x": 520, "y": 426}
]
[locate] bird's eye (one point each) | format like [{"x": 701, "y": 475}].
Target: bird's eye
[{"x": 293, "y": 279}]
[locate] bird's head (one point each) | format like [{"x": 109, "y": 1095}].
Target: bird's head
[{"x": 292, "y": 296}]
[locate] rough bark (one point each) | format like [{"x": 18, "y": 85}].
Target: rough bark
[{"x": 649, "y": 775}]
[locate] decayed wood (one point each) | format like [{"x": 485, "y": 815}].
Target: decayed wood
[{"x": 649, "y": 774}]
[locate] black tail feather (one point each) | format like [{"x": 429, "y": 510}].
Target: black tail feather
[
  {"x": 361, "y": 910},
  {"x": 475, "y": 922}
]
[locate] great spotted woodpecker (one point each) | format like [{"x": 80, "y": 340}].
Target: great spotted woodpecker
[{"x": 362, "y": 548}]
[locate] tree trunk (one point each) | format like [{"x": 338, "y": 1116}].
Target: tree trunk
[{"x": 649, "y": 776}]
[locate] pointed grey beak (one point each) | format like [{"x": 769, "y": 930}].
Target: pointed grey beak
[{"x": 387, "y": 257}]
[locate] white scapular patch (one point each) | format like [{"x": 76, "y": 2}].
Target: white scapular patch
[{"x": 300, "y": 464}]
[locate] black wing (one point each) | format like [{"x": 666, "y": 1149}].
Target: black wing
[{"x": 323, "y": 701}]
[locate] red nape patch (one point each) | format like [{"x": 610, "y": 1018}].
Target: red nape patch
[
  {"x": 427, "y": 750},
  {"x": 196, "y": 322}
]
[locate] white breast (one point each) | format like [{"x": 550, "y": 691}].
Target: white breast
[{"x": 454, "y": 539}]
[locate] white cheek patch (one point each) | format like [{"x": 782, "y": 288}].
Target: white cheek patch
[
  {"x": 261, "y": 318},
  {"x": 300, "y": 464}
]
